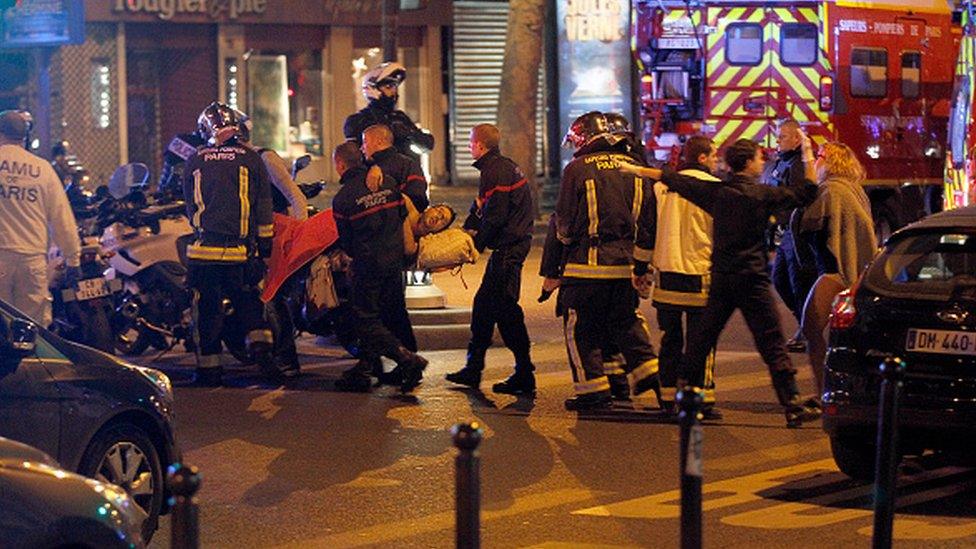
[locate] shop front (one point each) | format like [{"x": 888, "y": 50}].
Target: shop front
[{"x": 148, "y": 67}]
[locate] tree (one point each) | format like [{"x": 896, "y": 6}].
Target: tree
[{"x": 519, "y": 86}]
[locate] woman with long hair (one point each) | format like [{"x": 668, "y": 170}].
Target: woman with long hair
[{"x": 839, "y": 231}]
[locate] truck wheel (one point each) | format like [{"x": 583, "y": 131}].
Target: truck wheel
[{"x": 854, "y": 455}]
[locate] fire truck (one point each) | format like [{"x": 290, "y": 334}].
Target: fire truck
[
  {"x": 960, "y": 168},
  {"x": 877, "y": 76}
]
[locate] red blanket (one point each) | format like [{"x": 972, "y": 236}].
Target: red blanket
[{"x": 295, "y": 244}]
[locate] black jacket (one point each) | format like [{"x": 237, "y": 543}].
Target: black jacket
[
  {"x": 506, "y": 213},
  {"x": 228, "y": 197},
  {"x": 406, "y": 172},
  {"x": 370, "y": 223},
  {"x": 740, "y": 209},
  {"x": 605, "y": 218},
  {"x": 785, "y": 171},
  {"x": 404, "y": 130}
]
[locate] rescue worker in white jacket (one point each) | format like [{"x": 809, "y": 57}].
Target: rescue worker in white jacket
[
  {"x": 33, "y": 210},
  {"x": 682, "y": 260}
]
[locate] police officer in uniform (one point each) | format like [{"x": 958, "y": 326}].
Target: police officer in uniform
[
  {"x": 33, "y": 206},
  {"x": 503, "y": 219},
  {"x": 380, "y": 88},
  {"x": 228, "y": 196},
  {"x": 605, "y": 220},
  {"x": 370, "y": 223}
]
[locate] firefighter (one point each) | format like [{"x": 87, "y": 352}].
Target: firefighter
[
  {"x": 503, "y": 220},
  {"x": 792, "y": 276},
  {"x": 682, "y": 260},
  {"x": 370, "y": 223},
  {"x": 740, "y": 211},
  {"x": 32, "y": 206},
  {"x": 378, "y": 149},
  {"x": 380, "y": 88},
  {"x": 228, "y": 196},
  {"x": 629, "y": 144},
  {"x": 605, "y": 221}
]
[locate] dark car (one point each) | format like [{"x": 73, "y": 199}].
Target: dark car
[
  {"x": 42, "y": 505},
  {"x": 97, "y": 415},
  {"x": 916, "y": 301}
]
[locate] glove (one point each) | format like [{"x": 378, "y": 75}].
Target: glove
[{"x": 72, "y": 275}]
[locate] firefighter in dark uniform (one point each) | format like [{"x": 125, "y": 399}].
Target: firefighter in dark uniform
[
  {"x": 370, "y": 223},
  {"x": 228, "y": 198},
  {"x": 503, "y": 218},
  {"x": 378, "y": 149},
  {"x": 380, "y": 88},
  {"x": 605, "y": 220}
]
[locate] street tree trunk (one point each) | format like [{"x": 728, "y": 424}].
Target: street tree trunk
[{"x": 519, "y": 86}]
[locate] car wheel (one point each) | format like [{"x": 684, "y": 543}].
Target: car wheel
[
  {"x": 854, "y": 455},
  {"x": 123, "y": 455}
]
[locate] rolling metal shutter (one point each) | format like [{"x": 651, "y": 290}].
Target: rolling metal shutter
[{"x": 477, "y": 52}]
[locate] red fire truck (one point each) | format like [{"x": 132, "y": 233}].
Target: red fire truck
[{"x": 875, "y": 75}]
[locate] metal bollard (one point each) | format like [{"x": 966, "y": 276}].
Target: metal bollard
[
  {"x": 184, "y": 481},
  {"x": 886, "y": 461},
  {"x": 467, "y": 485},
  {"x": 690, "y": 403}
]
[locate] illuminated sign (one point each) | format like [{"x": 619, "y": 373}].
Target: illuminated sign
[
  {"x": 595, "y": 72},
  {"x": 43, "y": 23},
  {"x": 215, "y": 9}
]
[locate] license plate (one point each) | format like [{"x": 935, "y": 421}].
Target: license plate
[
  {"x": 946, "y": 342},
  {"x": 91, "y": 289}
]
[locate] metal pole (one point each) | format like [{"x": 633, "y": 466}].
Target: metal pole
[
  {"x": 690, "y": 403},
  {"x": 388, "y": 29},
  {"x": 184, "y": 481},
  {"x": 467, "y": 485},
  {"x": 886, "y": 461},
  {"x": 42, "y": 112}
]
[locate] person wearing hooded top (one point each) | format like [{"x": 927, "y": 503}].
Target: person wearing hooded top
[
  {"x": 604, "y": 220},
  {"x": 740, "y": 210},
  {"x": 381, "y": 90}
]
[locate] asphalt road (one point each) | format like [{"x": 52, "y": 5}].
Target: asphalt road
[{"x": 306, "y": 466}]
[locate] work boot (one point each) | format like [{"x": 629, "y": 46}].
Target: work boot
[
  {"x": 354, "y": 380},
  {"x": 796, "y": 411},
  {"x": 262, "y": 353},
  {"x": 619, "y": 387},
  {"x": 470, "y": 375},
  {"x": 522, "y": 382},
  {"x": 411, "y": 366},
  {"x": 588, "y": 402},
  {"x": 649, "y": 383},
  {"x": 393, "y": 377}
]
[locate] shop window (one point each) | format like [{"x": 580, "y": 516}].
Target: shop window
[
  {"x": 284, "y": 101},
  {"x": 232, "y": 69},
  {"x": 101, "y": 93},
  {"x": 798, "y": 44},
  {"x": 911, "y": 74},
  {"x": 743, "y": 43},
  {"x": 869, "y": 72}
]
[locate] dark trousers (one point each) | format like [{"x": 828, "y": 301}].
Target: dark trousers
[
  {"x": 285, "y": 351},
  {"x": 752, "y": 294},
  {"x": 497, "y": 302},
  {"x": 677, "y": 323},
  {"x": 791, "y": 279},
  {"x": 376, "y": 294},
  {"x": 397, "y": 321},
  {"x": 602, "y": 313},
  {"x": 211, "y": 283}
]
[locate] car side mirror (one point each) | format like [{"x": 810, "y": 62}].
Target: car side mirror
[
  {"x": 22, "y": 338},
  {"x": 300, "y": 164}
]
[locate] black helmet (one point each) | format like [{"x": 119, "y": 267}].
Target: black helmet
[
  {"x": 585, "y": 128},
  {"x": 218, "y": 123},
  {"x": 617, "y": 122}
]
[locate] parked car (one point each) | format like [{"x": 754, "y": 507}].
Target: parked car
[
  {"x": 98, "y": 416},
  {"x": 916, "y": 301},
  {"x": 42, "y": 505}
]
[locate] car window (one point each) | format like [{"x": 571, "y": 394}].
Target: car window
[
  {"x": 743, "y": 43},
  {"x": 798, "y": 44},
  {"x": 46, "y": 351},
  {"x": 869, "y": 72},
  {"x": 911, "y": 74},
  {"x": 931, "y": 264}
]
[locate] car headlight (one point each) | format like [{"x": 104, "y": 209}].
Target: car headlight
[{"x": 159, "y": 379}]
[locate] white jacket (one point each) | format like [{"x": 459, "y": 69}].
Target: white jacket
[
  {"x": 683, "y": 243},
  {"x": 34, "y": 208}
]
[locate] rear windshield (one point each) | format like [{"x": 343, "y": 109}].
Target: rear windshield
[{"x": 932, "y": 265}]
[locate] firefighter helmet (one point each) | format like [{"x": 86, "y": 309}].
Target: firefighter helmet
[
  {"x": 218, "y": 123},
  {"x": 382, "y": 75},
  {"x": 585, "y": 128},
  {"x": 617, "y": 123}
]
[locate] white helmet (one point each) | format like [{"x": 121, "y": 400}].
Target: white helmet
[{"x": 389, "y": 72}]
